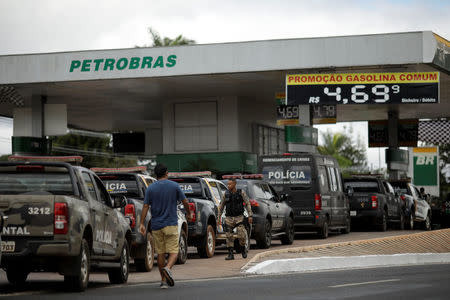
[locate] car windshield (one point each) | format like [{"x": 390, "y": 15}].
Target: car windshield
[
  {"x": 243, "y": 186},
  {"x": 124, "y": 184},
  {"x": 191, "y": 187},
  {"x": 363, "y": 186},
  {"x": 36, "y": 180},
  {"x": 400, "y": 187}
]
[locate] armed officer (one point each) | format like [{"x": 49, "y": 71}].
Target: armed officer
[{"x": 234, "y": 202}]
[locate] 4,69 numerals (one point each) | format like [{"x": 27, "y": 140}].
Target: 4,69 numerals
[{"x": 358, "y": 94}]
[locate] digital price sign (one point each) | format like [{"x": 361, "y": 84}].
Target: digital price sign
[{"x": 363, "y": 88}]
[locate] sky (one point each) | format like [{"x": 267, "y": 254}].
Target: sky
[{"x": 38, "y": 26}]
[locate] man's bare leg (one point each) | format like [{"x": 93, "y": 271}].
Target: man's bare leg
[
  {"x": 172, "y": 260},
  {"x": 161, "y": 265}
]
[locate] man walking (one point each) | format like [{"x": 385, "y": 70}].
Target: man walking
[
  {"x": 163, "y": 197},
  {"x": 233, "y": 203}
]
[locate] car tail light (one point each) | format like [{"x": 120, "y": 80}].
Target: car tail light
[
  {"x": 403, "y": 198},
  {"x": 253, "y": 203},
  {"x": 287, "y": 154},
  {"x": 374, "y": 202},
  {"x": 317, "y": 202},
  {"x": 61, "y": 225},
  {"x": 192, "y": 212},
  {"x": 130, "y": 212}
]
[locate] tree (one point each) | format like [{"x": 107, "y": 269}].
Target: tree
[
  {"x": 96, "y": 151},
  {"x": 348, "y": 153},
  {"x": 158, "y": 41}
]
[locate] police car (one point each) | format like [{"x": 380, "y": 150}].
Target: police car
[
  {"x": 132, "y": 182},
  {"x": 60, "y": 219}
]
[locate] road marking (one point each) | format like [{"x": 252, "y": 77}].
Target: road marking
[{"x": 363, "y": 283}]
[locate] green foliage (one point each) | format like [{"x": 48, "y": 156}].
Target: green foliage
[
  {"x": 4, "y": 157},
  {"x": 96, "y": 152},
  {"x": 350, "y": 154},
  {"x": 158, "y": 41}
]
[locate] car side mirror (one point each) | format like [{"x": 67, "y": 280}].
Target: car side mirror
[
  {"x": 119, "y": 201},
  {"x": 349, "y": 191}
]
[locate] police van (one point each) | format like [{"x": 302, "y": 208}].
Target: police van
[{"x": 312, "y": 185}]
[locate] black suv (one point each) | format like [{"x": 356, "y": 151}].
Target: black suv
[
  {"x": 202, "y": 229},
  {"x": 313, "y": 187},
  {"x": 272, "y": 217}
]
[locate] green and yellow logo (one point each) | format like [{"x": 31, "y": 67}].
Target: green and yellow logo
[{"x": 132, "y": 63}]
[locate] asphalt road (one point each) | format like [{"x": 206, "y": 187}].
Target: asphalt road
[
  {"x": 409, "y": 282},
  {"x": 199, "y": 268}
]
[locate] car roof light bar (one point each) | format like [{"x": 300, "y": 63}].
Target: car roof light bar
[
  {"x": 68, "y": 159},
  {"x": 243, "y": 176},
  {"x": 191, "y": 174},
  {"x": 137, "y": 169}
]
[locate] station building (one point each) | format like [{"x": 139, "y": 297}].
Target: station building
[{"x": 204, "y": 105}]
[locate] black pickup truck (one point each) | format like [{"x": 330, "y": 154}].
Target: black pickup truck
[
  {"x": 202, "y": 230},
  {"x": 60, "y": 219},
  {"x": 373, "y": 200}
]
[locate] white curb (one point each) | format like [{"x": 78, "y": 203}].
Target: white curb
[{"x": 344, "y": 262}]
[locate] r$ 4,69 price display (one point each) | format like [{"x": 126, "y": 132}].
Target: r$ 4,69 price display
[{"x": 363, "y": 88}]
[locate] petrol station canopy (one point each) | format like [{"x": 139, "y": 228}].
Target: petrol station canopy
[{"x": 125, "y": 89}]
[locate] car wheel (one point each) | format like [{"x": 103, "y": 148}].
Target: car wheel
[
  {"x": 401, "y": 225},
  {"x": 120, "y": 275},
  {"x": 382, "y": 226},
  {"x": 264, "y": 239},
  {"x": 16, "y": 275},
  {"x": 183, "y": 248},
  {"x": 410, "y": 221},
  {"x": 348, "y": 225},
  {"x": 80, "y": 280},
  {"x": 427, "y": 223},
  {"x": 288, "y": 237},
  {"x": 208, "y": 245},
  {"x": 323, "y": 232},
  {"x": 146, "y": 264}
]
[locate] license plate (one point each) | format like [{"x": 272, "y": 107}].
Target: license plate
[
  {"x": 8, "y": 246},
  {"x": 353, "y": 213}
]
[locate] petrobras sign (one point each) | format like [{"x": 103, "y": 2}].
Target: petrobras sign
[
  {"x": 107, "y": 64},
  {"x": 424, "y": 168}
]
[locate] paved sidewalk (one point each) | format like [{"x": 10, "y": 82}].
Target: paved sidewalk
[{"x": 424, "y": 242}]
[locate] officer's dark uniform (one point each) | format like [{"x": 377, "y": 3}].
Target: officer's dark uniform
[{"x": 234, "y": 213}]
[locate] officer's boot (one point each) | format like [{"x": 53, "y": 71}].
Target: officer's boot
[
  {"x": 230, "y": 254},
  {"x": 244, "y": 251}
]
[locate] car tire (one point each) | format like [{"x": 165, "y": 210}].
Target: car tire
[
  {"x": 146, "y": 264},
  {"x": 348, "y": 226},
  {"x": 427, "y": 223},
  {"x": 410, "y": 221},
  {"x": 120, "y": 275},
  {"x": 323, "y": 232},
  {"x": 382, "y": 225},
  {"x": 401, "y": 225},
  {"x": 289, "y": 236},
  {"x": 208, "y": 244},
  {"x": 264, "y": 238},
  {"x": 16, "y": 275},
  {"x": 182, "y": 252},
  {"x": 79, "y": 282}
]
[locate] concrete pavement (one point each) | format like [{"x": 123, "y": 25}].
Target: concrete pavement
[{"x": 418, "y": 248}]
